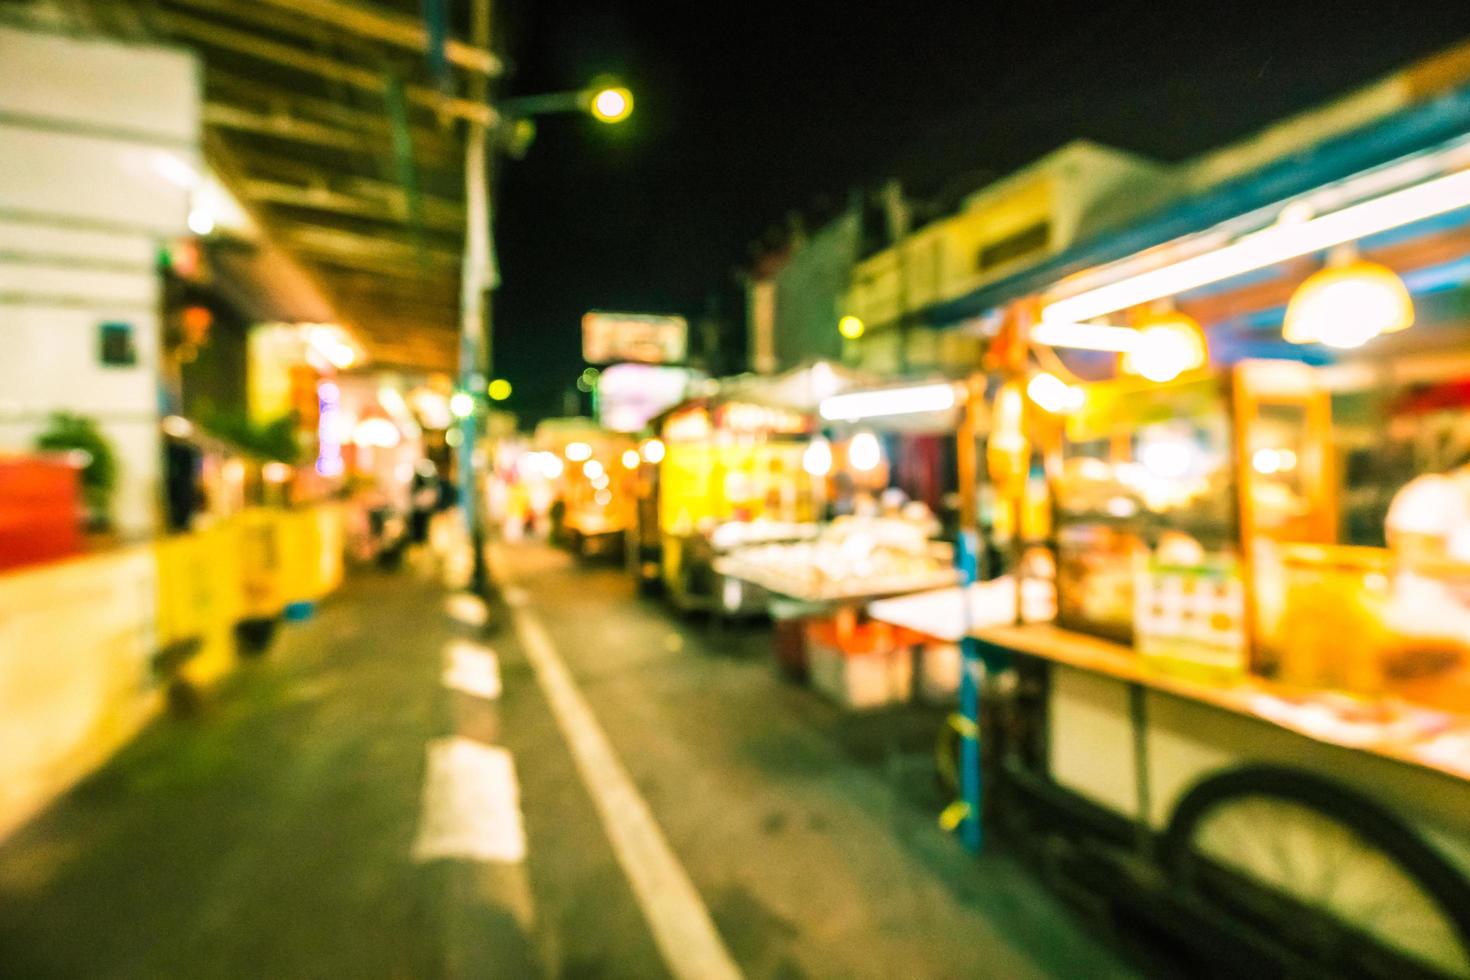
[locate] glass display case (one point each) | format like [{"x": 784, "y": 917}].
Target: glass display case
[{"x": 1146, "y": 529}]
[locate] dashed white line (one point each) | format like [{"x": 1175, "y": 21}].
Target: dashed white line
[
  {"x": 467, "y": 609},
  {"x": 471, "y": 668},
  {"x": 471, "y": 805},
  {"x": 681, "y": 925}
]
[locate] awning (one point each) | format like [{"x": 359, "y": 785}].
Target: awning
[{"x": 1414, "y": 130}]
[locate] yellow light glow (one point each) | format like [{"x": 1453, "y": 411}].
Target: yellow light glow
[
  {"x": 551, "y": 465},
  {"x": 499, "y": 390},
  {"x": 653, "y": 451},
  {"x": 1168, "y": 459},
  {"x": 864, "y": 453},
  {"x": 578, "y": 451},
  {"x": 612, "y": 105},
  {"x": 276, "y": 472},
  {"x": 816, "y": 460},
  {"x": 376, "y": 432},
  {"x": 1168, "y": 346},
  {"x": 630, "y": 459},
  {"x": 603, "y": 497},
  {"x": 851, "y": 327},
  {"x": 1054, "y": 395},
  {"x": 1275, "y": 244},
  {"x": 592, "y": 469},
  {"x": 888, "y": 401},
  {"x": 1346, "y": 306},
  {"x": 461, "y": 405}
]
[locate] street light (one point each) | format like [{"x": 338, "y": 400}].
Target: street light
[
  {"x": 612, "y": 105},
  {"x": 513, "y": 132},
  {"x": 499, "y": 390}
]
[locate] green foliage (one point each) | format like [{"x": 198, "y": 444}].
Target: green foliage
[
  {"x": 77, "y": 433},
  {"x": 275, "y": 439}
]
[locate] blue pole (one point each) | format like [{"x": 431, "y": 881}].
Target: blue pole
[{"x": 967, "y": 551}]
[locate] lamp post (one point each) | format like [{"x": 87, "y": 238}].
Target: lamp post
[{"x": 608, "y": 103}]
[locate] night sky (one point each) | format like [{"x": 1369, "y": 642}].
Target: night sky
[{"x": 748, "y": 113}]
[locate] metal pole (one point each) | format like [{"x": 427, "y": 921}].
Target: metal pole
[
  {"x": 967, "y": 558},
  {"x": 476, "y": 281}
]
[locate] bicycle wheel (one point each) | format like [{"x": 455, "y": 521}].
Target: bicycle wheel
[{"x": 1322, "y": 871}]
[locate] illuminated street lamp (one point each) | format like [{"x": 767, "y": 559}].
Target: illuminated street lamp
[
  {"x": 499, "y": 390},
  {"x": 513, "y": 131},
  {"x": 611, "y": 105},
  {"x": 851, "y": 327},
  {"x": 605, "y": 101}
]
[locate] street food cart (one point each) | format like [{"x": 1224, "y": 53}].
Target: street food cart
[
  {"x": 596, "y": 485},
  {"x": 1249, "y": 721},
  {"x": 731, "y": 474},
  {"x": 819, "y": 588}
]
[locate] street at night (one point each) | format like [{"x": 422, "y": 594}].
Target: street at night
[
  {"x": 596, "y": 489},
  {"x": 275, "y": 834}
]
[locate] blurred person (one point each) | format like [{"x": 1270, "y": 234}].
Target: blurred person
[{"x": 424, "y": 499}]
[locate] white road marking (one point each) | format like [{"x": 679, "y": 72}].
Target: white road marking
[
  {"x": 681, "y": 925},
  {"x": 471, "y": 806},
  {"x": 467, "y": 609},
  {"x": 471, "y": 668}
]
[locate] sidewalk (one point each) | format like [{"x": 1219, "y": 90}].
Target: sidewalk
[{"x": 270, "y": 837}]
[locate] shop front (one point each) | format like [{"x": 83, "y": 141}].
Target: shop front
[{"x": 1249, "y": 719}]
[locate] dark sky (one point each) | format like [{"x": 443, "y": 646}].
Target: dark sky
[{"x": 746, "y": 112}]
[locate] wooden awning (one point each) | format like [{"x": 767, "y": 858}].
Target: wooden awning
[{"x": 325, "y": 120}]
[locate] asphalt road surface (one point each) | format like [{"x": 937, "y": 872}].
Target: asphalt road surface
[{"x": 586, "y": 786}]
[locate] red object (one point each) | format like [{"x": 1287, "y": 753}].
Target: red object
[
  {"x": 40, "y": 511},
  {"x": 197, "y": 321}
]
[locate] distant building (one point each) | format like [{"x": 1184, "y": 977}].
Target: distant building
[
  {"x": 796, "y": 296},
  {"x": 1007, "y": 225}
]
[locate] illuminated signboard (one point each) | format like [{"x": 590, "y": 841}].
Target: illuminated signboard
[
  {"x": 628, "y": 395},
  {"x": 744, "y": 417},
  {"x": 609, "y": 337}
]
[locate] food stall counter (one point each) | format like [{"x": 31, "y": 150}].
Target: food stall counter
[{"x": 1401, "y": 732}]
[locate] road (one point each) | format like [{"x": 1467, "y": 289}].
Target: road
[{"x": 589, "y": 786}]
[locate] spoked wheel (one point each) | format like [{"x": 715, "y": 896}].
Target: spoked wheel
[{"x": 1340, "y": 882}]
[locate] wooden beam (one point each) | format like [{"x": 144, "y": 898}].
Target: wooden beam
[
  {"x": 362, "y": 318},
  {"x": 232, "y": 89},
  {"x": 255, "y": 162},
  {"x": 264, "y": 49},
  {"x": 339, "y": 244},
  {"x": 289, "y": 128},
  {"x": 389, "y": 28},
  {"x": 439, "y": 214}
]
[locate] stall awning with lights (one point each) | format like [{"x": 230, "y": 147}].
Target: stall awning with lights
[{"x": 1436, "y": 110}]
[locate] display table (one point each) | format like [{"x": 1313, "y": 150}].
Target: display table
[{"x": 1429, "y": 739}]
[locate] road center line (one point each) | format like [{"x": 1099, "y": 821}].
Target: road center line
[
  {"x": 472, "y": 805},
  {"x": 471, "y": 668},
  {"x": 681, "y": 925}
]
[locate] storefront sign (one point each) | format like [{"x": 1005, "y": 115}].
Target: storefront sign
[
  {"x": 608, "y": 337},
  {"x": 628, "y": 395}
]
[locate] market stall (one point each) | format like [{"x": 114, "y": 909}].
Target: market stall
[
  {"x": 1253, "y": 440},
  {"x": 595, "y": 481},
  {"x": 734, "y": 470}
]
